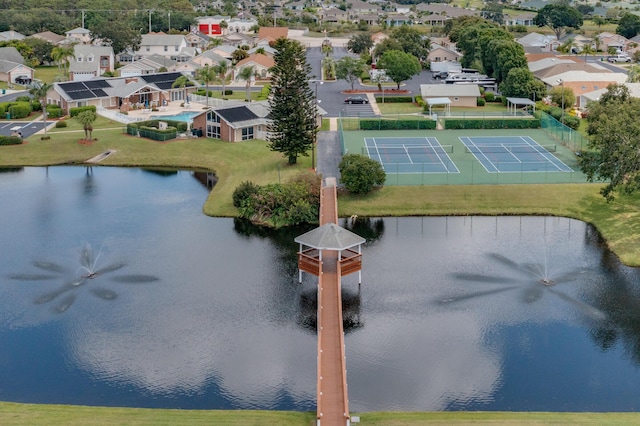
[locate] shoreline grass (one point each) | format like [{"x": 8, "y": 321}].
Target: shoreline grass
[{"x": 16, "y": 414}]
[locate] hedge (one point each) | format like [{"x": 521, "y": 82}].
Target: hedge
[
  {"x": 264, "y": 93},
  {"x": 394, "y": 99},
  {"x": 54, "y": 111},
  {"x": 20, "y": 110},
  {"x": 480, "y": 102},
  {"x": 10, "y": 140},
  {"x": 492, "y": 124},
  {"x": 149, "y": 129},
  {"x": 75, "y": 111},
  {"x": 379, "y": 124}
]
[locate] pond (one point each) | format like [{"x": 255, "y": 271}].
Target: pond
[{"x": 118, "y": 291}]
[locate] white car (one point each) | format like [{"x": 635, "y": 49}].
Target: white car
[{"x": 619, "y": 58}]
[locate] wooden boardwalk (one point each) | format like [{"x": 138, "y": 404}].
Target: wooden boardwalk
[{"x": 333, "y": 402}]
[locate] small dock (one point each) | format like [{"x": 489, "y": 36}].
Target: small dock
[{"x": 330, "y": 255}]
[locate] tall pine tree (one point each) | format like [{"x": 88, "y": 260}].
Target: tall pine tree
[{"x": 292, "y": 102}]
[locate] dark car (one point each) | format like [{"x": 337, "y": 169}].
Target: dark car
[
  {"x": 441, "y": 75},
  {"x": 23, "y": 79},
  {"x": 356, "y": 100}
]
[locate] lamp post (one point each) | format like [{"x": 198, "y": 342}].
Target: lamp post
[
  {"x": 315, "y": 137},
  {"x": 562, "y": 113}
]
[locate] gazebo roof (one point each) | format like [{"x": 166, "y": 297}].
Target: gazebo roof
[
  {"x": 521, "y": 101},
  {"x": 330, "y": 237},
  {"x": 438, "y": 101}
]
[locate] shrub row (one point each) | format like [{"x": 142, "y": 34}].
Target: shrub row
[
  {"x": 73, "y": 112},
  {"x": 10, "y": 140},
  {"x": 20, "y": 109},
  {"x": 379, "y": 124},
  {"x": 492, "y": 124},
  {"x": 150, "y": 129},
  {"x": 54, "y": 111},
  {"x": 394, "y": 99}
]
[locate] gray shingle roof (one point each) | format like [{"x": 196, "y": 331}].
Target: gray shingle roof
[{"x": 330, "y": 237}]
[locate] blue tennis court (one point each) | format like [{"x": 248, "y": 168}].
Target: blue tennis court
[
  {"x": 411, "y": 155},
  {"x": 508, "y": 154}
]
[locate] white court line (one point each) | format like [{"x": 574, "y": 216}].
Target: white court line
[
  {"x": 474, "y": 154},
  {"x": 544, "y": 153}
]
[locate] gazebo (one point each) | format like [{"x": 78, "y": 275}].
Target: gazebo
[
  {"x": 440, "y": 101},
  {"x": 330, "y": 237},
  {"x": 514, "y": 103}
]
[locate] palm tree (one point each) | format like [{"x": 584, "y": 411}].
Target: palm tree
[
  {"x": 61, "y": 55},
  {"x": 87, "y": 118},
  {"x": 222, "y": 69},
  {"x": 246, "y": 73},
  {"x": 40, "y": 92},
  {"x": 206, "y": 75},
  {"x": 182, "y": 82}
]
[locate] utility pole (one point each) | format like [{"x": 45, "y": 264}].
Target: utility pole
[{"x": 150, "y": 12}]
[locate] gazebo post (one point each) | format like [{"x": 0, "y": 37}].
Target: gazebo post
[
  {"x": 300, "y": 270},
  {"x": 360, "y": 271}
]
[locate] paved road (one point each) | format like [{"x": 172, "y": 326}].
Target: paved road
[{"x": 27, "y": 128}]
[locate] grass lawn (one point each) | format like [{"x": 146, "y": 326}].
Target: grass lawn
[
  {"x": 12, "y": 414},
  {"x": 619, "y": 222}
]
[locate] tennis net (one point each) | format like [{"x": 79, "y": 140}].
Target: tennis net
[
  {"x": 407, "y": 149},
  {"x": 524, "y": 149}
]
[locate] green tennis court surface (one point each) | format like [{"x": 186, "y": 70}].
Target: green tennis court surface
[{"x": 463, "y": 157}]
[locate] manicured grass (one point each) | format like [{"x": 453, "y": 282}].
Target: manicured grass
[
  {"x": 51, "y": 415},
  {"x": 12, "y": 414},
  {"x": 46, "y": 74}
]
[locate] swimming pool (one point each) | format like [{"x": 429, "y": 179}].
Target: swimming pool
[{"x": 183, "y": 116}]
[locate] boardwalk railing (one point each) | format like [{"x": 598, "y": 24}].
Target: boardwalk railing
[
  {"x": 319, "y": 373},
  {"x": 343, "y": 357}
]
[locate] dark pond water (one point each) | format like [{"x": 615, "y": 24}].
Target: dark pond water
[{"x": 116, "y": 290}]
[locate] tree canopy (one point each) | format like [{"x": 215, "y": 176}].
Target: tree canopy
[
  {"x": 520, "y": 83},
  {"x": 292, "y": 103},
  {"x": 360, "y": 43},
  {"x": 360, "y": 174},
  {"x": 628, "y": 25},
  {"x": 399, "y": 66},
  {"x": 349, "y": 69},
  {"x": 613, "y": 152},
  {"x": 558, "y": 17}
]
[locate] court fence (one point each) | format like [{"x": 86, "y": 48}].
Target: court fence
[{"x": 565, "y": 135}]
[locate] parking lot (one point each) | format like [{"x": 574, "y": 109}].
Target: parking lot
[{"x": 27, "y": 128}]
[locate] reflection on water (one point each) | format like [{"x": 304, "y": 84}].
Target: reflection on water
[{"x": 227, "y": 326}]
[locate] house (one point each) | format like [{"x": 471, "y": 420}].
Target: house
[
  {"x": 398, "y": 19},
  {"x": 236, "y": 122},
  {"x": 261, "y": 64},
  {"x": 12, "y": 65},
  {"x": 238, "y": 39},
  {"x": 607, "y": 41},
  {"x": 51, "y": 37},
  {"x": 359, "y": 7},
  {"x": 153, "y": 64},
  {"x": 173, "y": 46},
  {"x": 441, "y": 54},
  {"x": 525, "y": 19},
  {"x": 241, "y": 25},
  {"x": 78, "y": 35},
  {"x": 208, "y": 57},
  {"x": 459, "y": 95},
  {"x": 334, "y": 15},
  {"x": 121, "y": 93},
  {"x": 11, "y": 35},
  {"x": 585, "y": 98},
  {"x": 439, "y": 13},
  {"x": 546, "y": 43},
  {"x": 90, "y": 62},
  {"x": 271, "y": 34},
  {"x": 197, "y": 40}
]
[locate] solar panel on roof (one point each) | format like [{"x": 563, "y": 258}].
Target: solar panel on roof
[
  {"x": 71, "y": 87},
  {"x": 99, "y": 93},
  {"x": 97, "y": 84},
  {"x": 81, "y": 94}
]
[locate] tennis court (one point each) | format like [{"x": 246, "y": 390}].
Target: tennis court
[
  {"x": 411, "y": 155},
  {"x": 508, "y": 154}
]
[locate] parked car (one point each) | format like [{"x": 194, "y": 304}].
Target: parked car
[
  {"x": 441, "y": 75},
  {"x": 356, "y": 100},
  {"x": 619, "y": 58},
  {"x": 23, "y": 79}
]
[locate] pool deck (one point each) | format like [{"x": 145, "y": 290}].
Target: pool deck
[{"x": 173, "y": 108}]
